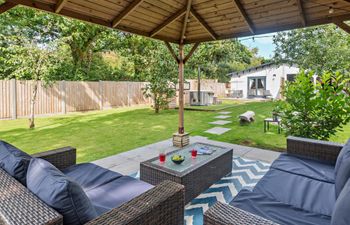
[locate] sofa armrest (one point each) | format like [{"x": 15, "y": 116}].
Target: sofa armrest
[
  {"x": 224, "y": 214},
  {"x": 163, "y": 204},
  {"x": 314, "y": 149},
  {"x": 61, "y": 157},
  {"x": 19, "y": 206}
]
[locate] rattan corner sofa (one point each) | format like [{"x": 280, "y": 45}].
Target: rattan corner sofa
[
  {"x": 307, "y": 185},
  {"x": 162, "y": 204}
]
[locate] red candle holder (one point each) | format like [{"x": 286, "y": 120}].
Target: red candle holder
[
  {"x": 194, "y": 153},
  {"x": 162, "y": 157}
]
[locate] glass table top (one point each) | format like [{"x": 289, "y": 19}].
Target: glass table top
[{"x": 189, "y": 161}]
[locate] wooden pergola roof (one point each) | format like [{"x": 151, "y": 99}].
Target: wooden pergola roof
[{"x": 192, "y": 21}]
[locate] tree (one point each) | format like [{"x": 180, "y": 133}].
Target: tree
[
  {"x": 325, "y": 48},
  {"x": 162, "y": 79},
  {"x": 315, "y": 110},
  {"x": 28, "y": 61}
]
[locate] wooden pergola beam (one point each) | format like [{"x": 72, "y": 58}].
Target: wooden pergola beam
[
  {"x": 245, "y": 16},
  {"x": 172, "y": 52},
  {"x": 6, "y": 6},
  {"x": 203, "y": 23},
  {"x": 129, "y": 9},
  {"x": 184, "y": 27},
  {"x": 193, "y": 49},
  {"x": 60, "y": 4},
  {"x": 171, "y": 19},
  {"x": 301, "y": 12},
  {"x": 343, "y": 25}
]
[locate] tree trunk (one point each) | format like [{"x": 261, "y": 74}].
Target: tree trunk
[{"x": 32, "y": 105}]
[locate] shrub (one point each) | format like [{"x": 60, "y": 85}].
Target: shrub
[{"x": 315, "y": 109}]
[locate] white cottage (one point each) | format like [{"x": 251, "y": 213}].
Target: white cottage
[{"x": 263, "y": 81}]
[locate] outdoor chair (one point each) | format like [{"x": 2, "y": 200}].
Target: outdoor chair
[
  {"x": 307, "y": 185},
  {"x": 26, "y": 187}
]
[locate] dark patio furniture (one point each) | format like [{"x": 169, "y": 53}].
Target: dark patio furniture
[
  {"x": 267, "y": 122},
  {"x": 307, "y": 185},
  {"x": 162, "y": 204},
  {"x": 196, "y": 175}
]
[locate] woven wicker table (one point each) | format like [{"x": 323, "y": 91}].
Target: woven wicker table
[{"x": 196, "y": 175}]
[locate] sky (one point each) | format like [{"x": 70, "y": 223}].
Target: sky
[{"x": 263, "y": 42}]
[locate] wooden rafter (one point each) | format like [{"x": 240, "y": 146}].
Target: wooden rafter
[
  {"x": 184, "y": 26},
  {"x": 129, "y": 9},
  {"x": 172, "y": 52},
  {"x": 203, "y": 23},
  {"x": 244, "y": 14},
  {"x": 6, "y": 6},
  {"x": 171, "y": 19},
  {"x": 301, "y": 12},
  {"x": 60, "y": 4},
  {"x": 193, "y": 49},
  {"x": 343, "y": 26}
]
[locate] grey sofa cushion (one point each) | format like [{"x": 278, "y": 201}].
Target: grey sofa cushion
[
  {"x": 59, "y": 192},
  {"x": 342, "y": 168},
  {"x": 90, "y": 176},
  {"x": 305, "y": 167},
  {"x": 14, "y": 161},
  {"x": 271, "y": 209},
  {"x": 298, "y": 191},
  {"x": 341, "y": 210},
  {"x": 106, "y": 189}
]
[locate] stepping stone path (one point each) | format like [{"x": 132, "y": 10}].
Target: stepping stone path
[
  {"x": 222, "y": 117},
  {"x": 220, "y": 122},
  {"x": 224, "y": 113},
  {"x": 217, "y": 130}
]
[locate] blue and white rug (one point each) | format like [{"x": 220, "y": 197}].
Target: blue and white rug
[{"x": 245, "y": 174}]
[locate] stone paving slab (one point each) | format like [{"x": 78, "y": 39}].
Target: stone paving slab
[
  {"x": 222, "y": 117},
  {"x": 217, "y": 130},
  {"x": 129, "y": 162},
  {"x": 220, "y": 122},
  {"x": 224, "y": 113}
]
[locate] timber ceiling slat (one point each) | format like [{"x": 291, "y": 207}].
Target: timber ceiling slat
[{"x": 215, "y": 19}]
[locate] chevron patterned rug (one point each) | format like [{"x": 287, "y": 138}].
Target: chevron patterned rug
[{"x": 245, "y": 174}]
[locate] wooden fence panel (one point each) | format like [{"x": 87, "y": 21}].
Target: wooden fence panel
[
  {"x": 48, "y": 98},
  {"x": 82, "y": 96},
  {"x": 136, "y": 93},
  {"x": 115, "y": 94},
  {"x": 5, "y": 99}
]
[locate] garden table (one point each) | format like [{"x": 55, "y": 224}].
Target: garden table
[{"x": 196, "y": 174}]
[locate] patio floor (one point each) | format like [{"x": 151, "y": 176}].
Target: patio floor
[{"x": 129, "y": 162}]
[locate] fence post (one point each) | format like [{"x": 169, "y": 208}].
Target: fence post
[
  {"x": 128, "y": 86},
  {"x": 13, "y": 99},
  {"x": 100, "y": 83},
  {"x": 63, "y": 94}
]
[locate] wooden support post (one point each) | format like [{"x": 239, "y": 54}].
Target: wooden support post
[
  {"x": 181, "y": 139},
  {"x": 63, "y": 96},
  {"x": 13, "y": 99},
  {"x": 181, "y": 89},
  {"x": 343, "y": 26}
]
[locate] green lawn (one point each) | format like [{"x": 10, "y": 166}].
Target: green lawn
[{"x": 104, "y": 133}]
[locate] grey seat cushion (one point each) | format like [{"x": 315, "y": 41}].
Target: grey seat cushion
[
  {"x": 342, "y": 168},
  {"x": 305, "y": 167},
  {"x": 105, "y": 188},
  {"x": 59, "y": 192},
  {"x": 14, "y": 161},
  {"x": 90, "y": 176},
  {"x": 342, "y": 207},
  {"x": 298, "y": 191},
  {"x": 271, "y": 209}
]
